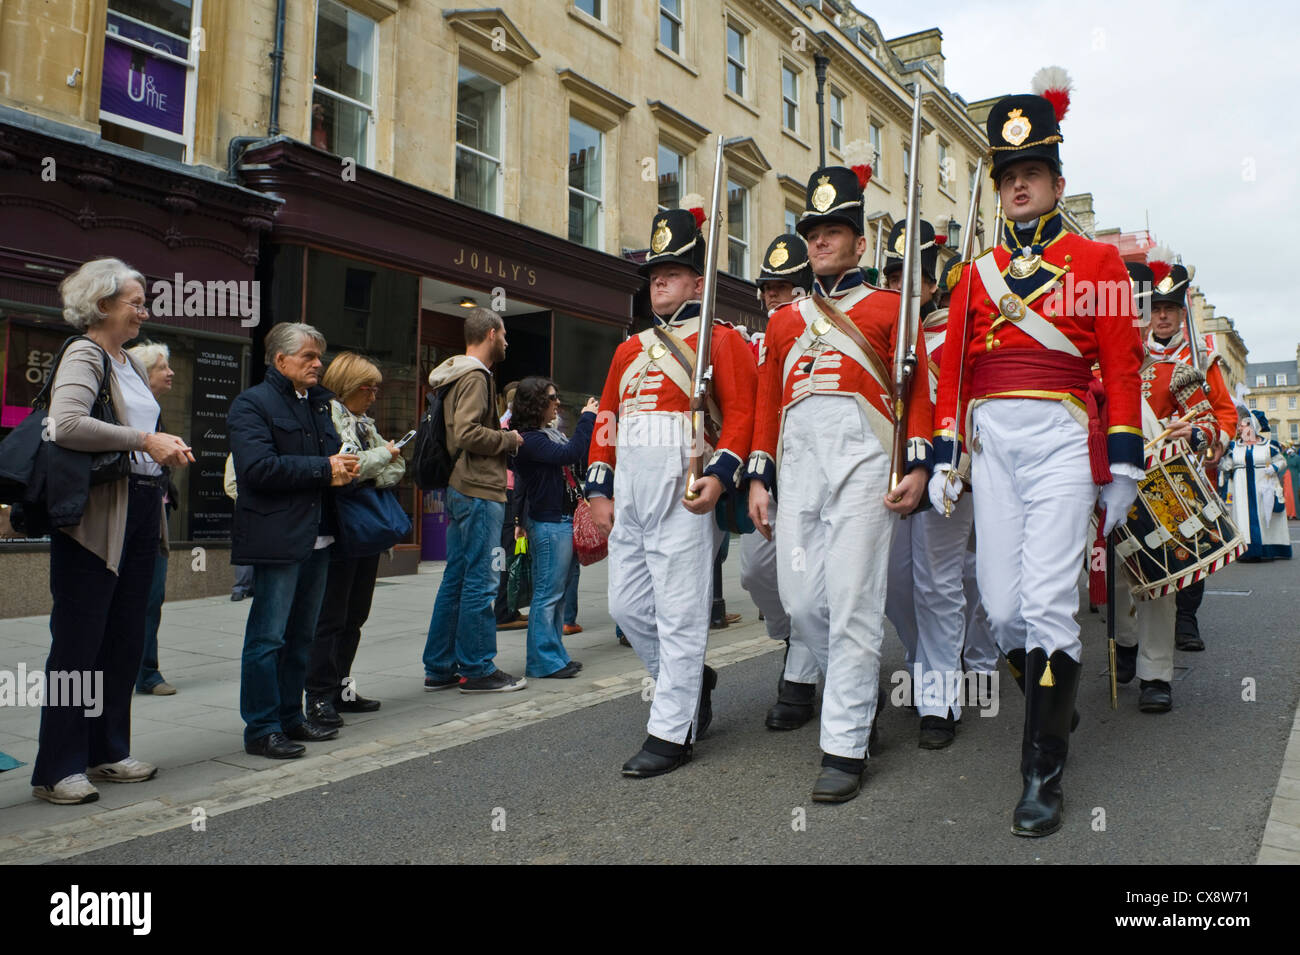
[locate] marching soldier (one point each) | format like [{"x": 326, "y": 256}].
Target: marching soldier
[
  {"x": 1016, "y": 385},
  {"x": 661, "y": 547},
  {"x": 823, "y": 427},
  {"x": 1173, "y": 399},
  {"x": 785, "y": 277},
  {"x": 926, "y": 600},
  {"x": 1169, "y": 281}
]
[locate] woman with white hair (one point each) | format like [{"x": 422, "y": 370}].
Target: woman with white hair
[
  {"x": 155, "y": 358},
  {"x": 101, "y": 559}
]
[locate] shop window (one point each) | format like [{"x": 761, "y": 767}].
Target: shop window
[
  {"x": 586, "y": 158},
  {"x": 737, "y": 230},
  {"x": 837, "y": 119},
  {"x": 478, "y": 141},
  {"x": 151, "y": 59},
  {"x": 343, "y": 93},
  {"x": 737, "y": 40},
  {"x": 790, "y": 98},
  {"x": 672, "y": 178},
  {"x": 670, "y": 25}
]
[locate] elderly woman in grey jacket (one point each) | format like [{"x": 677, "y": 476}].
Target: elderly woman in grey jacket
[{"x": 101, "y": 568}]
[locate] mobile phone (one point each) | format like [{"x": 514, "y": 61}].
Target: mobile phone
[{"x": 405, "y": 438}]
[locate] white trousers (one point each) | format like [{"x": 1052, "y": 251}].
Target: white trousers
[
  {"x": 1034, "y": 495},
  {"x": 981, "y": 652},
  {"x": 661, "y": 567},
  {"x": 900, "y": 595},
  {"x": 758, "y": 577},
  {"x": 832, "y": 530},
  {"x": 938, "y": 561},
  {"x": 1150, "y": 624}
]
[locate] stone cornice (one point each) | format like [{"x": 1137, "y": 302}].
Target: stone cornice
[
  {"x": 479, "y": 26},
  {"x": 677, "y": 123}
]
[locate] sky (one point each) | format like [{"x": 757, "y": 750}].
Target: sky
[{"x": 1183, "y": 114}]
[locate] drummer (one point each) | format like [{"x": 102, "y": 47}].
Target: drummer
[{"x": 1174, "y": 407}]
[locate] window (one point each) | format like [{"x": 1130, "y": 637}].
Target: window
[
  {"x": 478, "y": 141},
  {"x": 1295, "y": 431},
  {"x": 585, "y": 187},
  {"x": 737, "y": 230},
  {"x": 837, "y": 119},
  {"x": 907, "y": 166},
  {"x": 1272, "y": 404},
  {"x": 874, "y": 135},
  {"x": 147, "y": 91},
  {"x": 1253, "y": 403},
  {"x": 670, "y": 24},
  {"x": 1280, "y": 379},
  {"x": 1290, "y": 404},
  {"x": 946, "y": 167},
  {"x": 672, "y": 178},
  {"x": 1261, "y": 381},
  {"x": 594, "y": 8},
  {"x": 970, "y": 175},
  {"x": 792, "y": 220},
  {"x": 735, "y": 59},
  {"x": 790, "y": 98},
  {"x": 343, "y": 92}
]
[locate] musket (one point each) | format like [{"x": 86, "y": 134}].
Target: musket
[
  {"x": 909, "y": 301},
  {"x": 880, "y": 246},
  {"x": 1110, "y": 615},
  {"x": 704, "y": 346},
  {"x": 967, "y": 256},
  {"x": 1194, "y": 340}
]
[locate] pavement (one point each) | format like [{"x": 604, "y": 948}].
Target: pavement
[{"x": 196, "y": 739}]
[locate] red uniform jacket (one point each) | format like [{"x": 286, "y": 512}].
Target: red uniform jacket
[
  {"x": 1190, "y": 400},
  {"x": 1082, "y": 292},
  {"x": 876, "y": 315},
  {"x": 1216, "y": 387},
  {"x": 658, "y": 387}
]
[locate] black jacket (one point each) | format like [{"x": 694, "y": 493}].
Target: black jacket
[{"x": 281, "y": 444}]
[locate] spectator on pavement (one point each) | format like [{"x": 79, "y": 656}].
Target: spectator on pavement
[
  {"x": 540, "y": 464},
  {"x": 286, "y": 458},
  {"x": 508, "y": 619},
  {"x": 350, "y": 585},
  {"x": 155, "y": 358},
  {"x": 243, "y": 586},
  {"x": 462, "y": 640},
  {"x": 102, "y": 564}
]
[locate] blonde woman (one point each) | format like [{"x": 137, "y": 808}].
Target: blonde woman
[{"x": 355, "y": 382}]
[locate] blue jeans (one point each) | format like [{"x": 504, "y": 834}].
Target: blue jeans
[
  {"x": 277, "y": 641},
  {"x": 551, "y": 545},
  {"x": 149, "y": 677},
  {"x": 463, "y": 631},
  {"x": 571, "y": 592},
  {"x": 243, "y": 580}
]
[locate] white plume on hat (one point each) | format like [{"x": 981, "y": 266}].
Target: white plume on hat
[
  {"x": 1053, "y": 83},
  {"x": 1160, "y": 253}
]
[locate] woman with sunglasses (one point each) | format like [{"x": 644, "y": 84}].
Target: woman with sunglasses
[{"x": 548, "y": 517}]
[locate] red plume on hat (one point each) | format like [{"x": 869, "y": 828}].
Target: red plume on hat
[
  {"x": 1053, "y": 84},
  {"x": 858, "y": 156},
  {"x": 940, "y": 239},
  {"x": 1161, "y": 261},
  {"x": 694, "y": 203}
]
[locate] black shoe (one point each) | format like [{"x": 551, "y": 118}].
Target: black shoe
[
  {"x": 566, "y": 672},
  {"x": 657, "y": 757},
  {"x": 937, "y": 732},
  {"x": 840, "y": 782},
  {"x": 706, "y": 699},
  {"x": 236, "y": 597},
  {"x": 1157, "y": 697},
  {"x": 1051, "y": 688},
  {"x": 358, "y": 704},
  {"x": 498, "y": 681},
  {"x": 309, "y": 732},
  {"x": 1126, "y": 663},
  {"x": 274, "y": 746},
  {"x": 322, "y": 712},
  {"x": 794, "y": 706},
  {"x": 433, "y": 684}
]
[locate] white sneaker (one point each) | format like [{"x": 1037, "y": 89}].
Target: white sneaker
[
  {"x": 128, "y": 770},
  {"x": 68, "y": 791}
]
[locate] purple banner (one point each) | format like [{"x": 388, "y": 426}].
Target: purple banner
[{"x": 143, "y": 88}]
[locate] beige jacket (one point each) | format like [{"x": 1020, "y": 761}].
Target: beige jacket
[
  {"x": 470, "y": 410},
  {"x": 102, "y": 530}
]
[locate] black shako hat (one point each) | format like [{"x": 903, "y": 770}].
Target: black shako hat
[
  {"x": 1028, "y": 125},
  {"x": 835, "y": 193},
  {"x": 1169, "y": 280},
  {"x": 930, "y": 244},
  {"x": 676, "y": 239},
  {"x": 1139, "y": 273},
  {"x": 786, "y": 260}
]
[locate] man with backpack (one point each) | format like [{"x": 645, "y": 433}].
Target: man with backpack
[{"x": 462, "y": 632}]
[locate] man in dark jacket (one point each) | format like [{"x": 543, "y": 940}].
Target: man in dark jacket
[{"x": 286, "y": 456}]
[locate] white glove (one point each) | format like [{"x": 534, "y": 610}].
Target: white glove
[
  {"x": 942, "y": 487},
  {"x": 1117, "y": 497}
]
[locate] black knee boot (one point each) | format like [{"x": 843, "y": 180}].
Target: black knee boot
[
  {"x": 1187, "y": 633},
  {"x": 1050, "y": 690}
]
